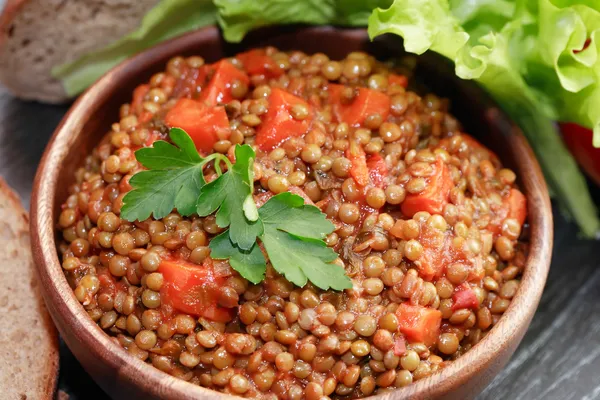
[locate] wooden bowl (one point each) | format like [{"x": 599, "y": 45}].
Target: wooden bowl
[{"x": 123, "y": 376}]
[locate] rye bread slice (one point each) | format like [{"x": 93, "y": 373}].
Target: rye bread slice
[
  {"x": 28, "y": 338},
  {"x": 36, "y": 35}
]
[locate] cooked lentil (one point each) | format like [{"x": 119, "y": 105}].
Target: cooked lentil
[{"x": 428, "y": 229}]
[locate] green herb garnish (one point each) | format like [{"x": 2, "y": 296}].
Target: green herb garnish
[
  {"x": 291, "y": 232},
  {"x": 173, "y": 179},
  {"x": 231, "y": 195},
  {"x": 293, "y": 240}
]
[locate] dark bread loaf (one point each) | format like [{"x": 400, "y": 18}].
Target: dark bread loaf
[
  {"x": 28, "y": 338},
  {"x": 37, "y": 35}
]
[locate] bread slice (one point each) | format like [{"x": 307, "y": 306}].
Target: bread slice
[
  {"x": 37, "y": 35},
  {"x": 28, "y": 339}
]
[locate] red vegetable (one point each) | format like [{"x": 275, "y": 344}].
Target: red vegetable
[
  {"x": 377, "y": 169},
  {"x": 438, "y": 252},
  {"x": 434, "y": 197},
  {"x": 218, "y": 90},
  {"x": 138, "y": 97},
  {"x": 278, "y": 124},
  {"x": 514, "y": 205},
  {"x": 399, "y": 346},
  {"x": 395, "y": 79},
  {"x": 517, "y": 205},
  {"x": 366, "y": 102},
  {"x": 359, "y": 170},
  {"x": 464, "y": 297},
  {"x": 419, "y": 324},
  {"x": 257, "y": 62},
  {"x": 579, "y": 141},
  {"x": 201, "y": 122},
  {"x": 193, "y": 289}
]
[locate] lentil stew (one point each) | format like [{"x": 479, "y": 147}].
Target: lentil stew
[{"x": 428, "y": 226}]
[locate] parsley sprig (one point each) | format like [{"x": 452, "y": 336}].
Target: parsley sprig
[{"x": 285, "y": 230}]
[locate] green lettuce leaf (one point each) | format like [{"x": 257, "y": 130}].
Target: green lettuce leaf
[
  {"x": 238, "y": 17},
  {"x": 521, "y": 52},
  {"x": 167, "y": 19}
]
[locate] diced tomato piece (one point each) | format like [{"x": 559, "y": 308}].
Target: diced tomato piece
[
  {"x": 144, "y": 117},
  {"x": 201, "y": 74},
  {"x": 257, "y": 62},
  {"x": 399, "y": 346},
  {"x": 419, "y": 324},
  {"x": 434, "y": 197},
  {"x": 514, "y": 205},
  {"x": 377, "y": 169},
  {"x": 201, "y": 122},
  {"x": 124, "y": 185},
  {"x": 218, "y": 90},
  {"x": 432, "y": 262},
  {"x": 138, "y": 97},
  {"x": 278, "y": 124},
  {"x": 438, "y": 250},
  {"x": 517, "y": 205},
  {"x": 107, "y": 281},
  {"x": 395, "y": 79},
  {"x": 359, "y": 170},
  {"x": 193, "y": 289},
  {"x": 366, "y": 102},
  {"x": 464, "y": 297}
]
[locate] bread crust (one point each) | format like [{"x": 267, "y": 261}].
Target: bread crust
[
  {"x": 51, "y": 360},
  {"x": 7, "y": 16},
  {"x": 10, "y": 10}
]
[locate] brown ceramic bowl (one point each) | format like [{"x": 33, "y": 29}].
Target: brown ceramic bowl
[{"x": 123, "y": 376}]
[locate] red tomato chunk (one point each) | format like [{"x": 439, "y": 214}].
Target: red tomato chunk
[
  {"x": 464, "y": 297},
  {"x": 365, "y": 103},
  {"x": 434, "y": 197},
  {"x": 192, "y": 289},
  {"x": 419, "y": 324},
  {"x": 257, "y": 62},
  {"x": 279, "y": 124},
  {"x": 377, "y": 170},
  {"x": 204, "y": 124},
  {"x": 218, "y": 90}
]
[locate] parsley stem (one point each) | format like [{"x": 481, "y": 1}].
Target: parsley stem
[{"x": 218, "y": 158}]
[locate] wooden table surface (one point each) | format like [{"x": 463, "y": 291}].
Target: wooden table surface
[{"x": 559, "y": 358}]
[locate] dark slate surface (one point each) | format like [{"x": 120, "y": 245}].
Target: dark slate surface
[{"x": 559, "y": 357}]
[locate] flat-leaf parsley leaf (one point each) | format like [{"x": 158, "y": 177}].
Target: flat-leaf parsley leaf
[
  {"x": 294, "y": 249},
  {"x": 292, "y": 238},
  {"x": 250, "y": 264},
  {"x": 173, "y": 180}
]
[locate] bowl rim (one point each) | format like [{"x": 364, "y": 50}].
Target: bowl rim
[{"x": 60, "y": 297}]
